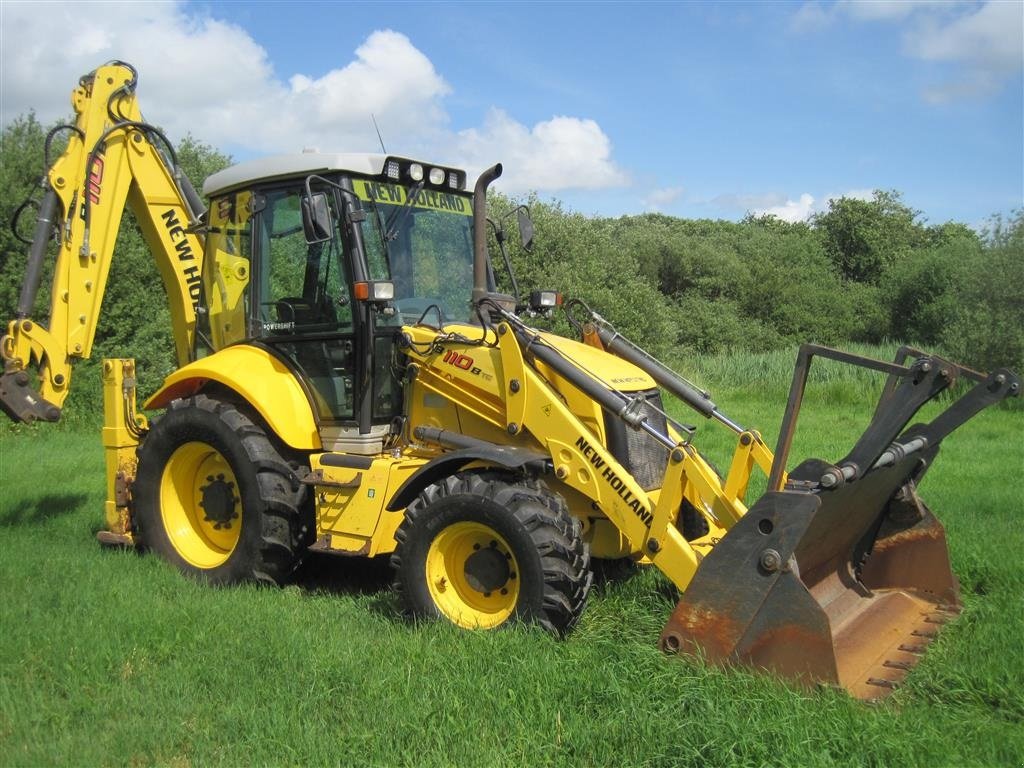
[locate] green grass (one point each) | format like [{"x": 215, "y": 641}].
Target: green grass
[{"x": 109, "y": 658}]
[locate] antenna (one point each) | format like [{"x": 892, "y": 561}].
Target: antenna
[{"x": 379, "y": 137}]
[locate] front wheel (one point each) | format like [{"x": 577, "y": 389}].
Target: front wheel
[
  {"x": 213, "y": 496},
  {"x": 480, "y": 549}
]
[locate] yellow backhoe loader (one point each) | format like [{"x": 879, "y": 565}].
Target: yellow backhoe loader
[{"x": 351, "y": 382}]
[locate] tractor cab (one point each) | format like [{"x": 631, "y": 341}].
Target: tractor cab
[{"x": 321, "y": 259}]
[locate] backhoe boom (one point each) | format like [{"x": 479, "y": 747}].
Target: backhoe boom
[{"x": 112, "y": 159}]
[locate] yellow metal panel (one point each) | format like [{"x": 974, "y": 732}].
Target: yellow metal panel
[
  {"x": 121, "y": 432},
  {"x": 265, "y": 383},
  {"x": 350, "y": 503}
]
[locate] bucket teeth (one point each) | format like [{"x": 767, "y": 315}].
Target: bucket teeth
[
  {"x": 904, "y": 665},
  {"x": 922, "y": 633},
  {"x": 882, "y": 682},
  {"x": 918, "y": 649}
]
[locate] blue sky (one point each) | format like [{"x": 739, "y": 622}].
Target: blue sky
[{"x": 690, "y": 109}]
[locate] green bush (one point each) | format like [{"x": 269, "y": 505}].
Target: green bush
[{"x": 986, "y": 328}]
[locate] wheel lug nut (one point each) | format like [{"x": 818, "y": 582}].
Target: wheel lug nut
[
  {"x": 504, "y": 591},
  {"x": 476, "y": 547}
]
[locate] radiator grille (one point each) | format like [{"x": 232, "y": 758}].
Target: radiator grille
[{"x": 638, "y": 452}]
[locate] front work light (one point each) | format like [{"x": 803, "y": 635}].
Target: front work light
[
  {"x": 542, "y": 300},
  {"x": 375, "y": 290}
]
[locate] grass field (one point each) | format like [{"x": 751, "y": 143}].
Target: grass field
[{"x": 109, "y": 658}]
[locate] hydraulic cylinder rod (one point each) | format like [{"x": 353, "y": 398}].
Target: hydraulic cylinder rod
[
  {"x": 612, "y": 401},
  {"x": 665, "y": 377}
]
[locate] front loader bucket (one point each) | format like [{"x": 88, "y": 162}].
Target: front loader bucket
[
  {"x": 843, "y": 576},
  {"x": 801, "y": 586}
]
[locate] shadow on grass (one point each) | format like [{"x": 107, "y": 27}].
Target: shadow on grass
[
  {"x": 364, "y": 577},
  {"x": 340, "y": 575},
  {"x": 40, "y": 509}
]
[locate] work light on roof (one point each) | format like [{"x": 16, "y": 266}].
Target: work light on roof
[
  {"x": 416, "y": 172},
  {"x": 392, "y": 169},
  {"x": 437, "y": 176}
]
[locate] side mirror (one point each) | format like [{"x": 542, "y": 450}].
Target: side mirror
[
  {"x": 317, "y": 222},
  {"x": 525, "y": 228}
]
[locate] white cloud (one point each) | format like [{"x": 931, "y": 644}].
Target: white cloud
[
  {"x": 991, "y": 38},
  {"x": 985, "y": 39},
  {"x": 791, "y": 211},
  {"x": 885, "y": 10},
  {"x": 810, "y": 17},
  {"x": 657, "y": 199},
  {"x": 204, "y": 76},
  {"x": 561, "y": 153},
  {"x": 806, "y": 206}
]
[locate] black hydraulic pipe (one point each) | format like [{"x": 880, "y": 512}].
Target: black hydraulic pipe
[
  {"x": 192, "y": 198},
  {"x": 37, "y": 253},
  {"x": 450, "y": 439},
  {"x": 664, "y": 376},
  {"x": 480, "y": 231},
  {"x": 614, "y": 402}
]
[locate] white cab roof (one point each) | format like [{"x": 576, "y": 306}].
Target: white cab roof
[{"x": 292, "y": 165}]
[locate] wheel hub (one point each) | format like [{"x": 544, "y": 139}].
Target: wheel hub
[
  {"x": 219, "y": 501},
  {"x": 487, "y": 569}
]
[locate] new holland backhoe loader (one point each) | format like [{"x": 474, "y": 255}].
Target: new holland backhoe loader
[{"x": 351, "y": 382}]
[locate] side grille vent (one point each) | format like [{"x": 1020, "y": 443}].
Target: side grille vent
[{"x": 638, "y": 452}]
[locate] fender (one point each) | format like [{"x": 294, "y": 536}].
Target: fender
[
  {"x": 261, "y": 379},
  {"x": 449, "y": 463}
]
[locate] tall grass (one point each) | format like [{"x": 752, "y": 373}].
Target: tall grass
[{"x": 109, "y": 658}]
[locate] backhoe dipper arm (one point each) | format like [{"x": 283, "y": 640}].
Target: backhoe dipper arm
[{"x": 110, "y": 160}]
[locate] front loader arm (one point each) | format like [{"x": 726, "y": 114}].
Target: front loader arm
[{"x": 110, "y": 161}]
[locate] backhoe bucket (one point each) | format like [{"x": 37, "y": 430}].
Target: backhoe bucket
[
  {"x": 843, "y": 577},
  {"x": 802, "y": 586}
]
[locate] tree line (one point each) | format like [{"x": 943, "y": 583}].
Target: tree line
[{"x": 861, "y": 271}]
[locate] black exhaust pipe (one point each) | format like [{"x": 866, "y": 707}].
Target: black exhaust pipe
[{"x": 480, "y": 232}]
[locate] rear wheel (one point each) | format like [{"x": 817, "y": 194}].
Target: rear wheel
[
  {"x": 215, "y": 497},
  {"x": 480, "y": 549}
]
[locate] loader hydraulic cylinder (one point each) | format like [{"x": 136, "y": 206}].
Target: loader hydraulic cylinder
[
  {"x": 612, "y": 401},
  {"x": 37, "y": 253}
]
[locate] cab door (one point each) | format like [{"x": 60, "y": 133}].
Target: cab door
[{"x": 304, "y": 307}]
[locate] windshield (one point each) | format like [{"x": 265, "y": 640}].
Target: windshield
[{"x": 424, "y": 247}]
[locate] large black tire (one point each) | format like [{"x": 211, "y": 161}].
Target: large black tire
[
  {"x": 482, "y": 549},
  {"x": 213, "y": 496}
]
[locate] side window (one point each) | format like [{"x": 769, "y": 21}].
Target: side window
[
  {"x": 304, "y": 308},
  {"x": 304, "y": 286},
  {"x": 226, "y": 293}
]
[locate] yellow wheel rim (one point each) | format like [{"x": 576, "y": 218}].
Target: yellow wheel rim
[
  {"x": 201, "y": 505},
  {"x": 472, "y": 575}
]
